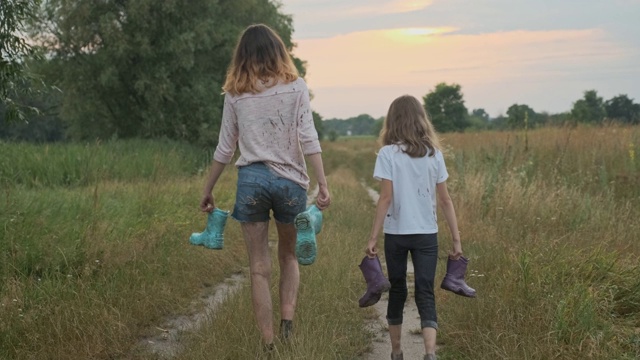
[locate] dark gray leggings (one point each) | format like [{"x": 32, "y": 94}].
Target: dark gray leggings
[{"x": 424, "y": 255}]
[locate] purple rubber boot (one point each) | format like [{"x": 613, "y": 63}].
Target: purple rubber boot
[
  {"x": 454, "y": 280},
  {"x": 376, "y": 282}
]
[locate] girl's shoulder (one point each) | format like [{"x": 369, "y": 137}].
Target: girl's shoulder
[
  {"x": 398, "y": 150},
  {"x": 391, "y": 149},
  {"x": 385, "y": 150},
  {"x": 269, "y": 89},
  {"x": 439, "y": 155},
  {"x": 391, "y": 152},
  {"x": 280, "y": 87},
  {"x": 296, "y": 85}
]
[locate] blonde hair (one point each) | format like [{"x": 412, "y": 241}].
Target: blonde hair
[
  {"x": 407, "y": 124},
  {"x": 260, "y": 55}
]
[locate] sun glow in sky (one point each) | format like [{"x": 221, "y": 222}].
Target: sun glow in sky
[
  {"x": 416, "y": 34},
  {"x": 362, "y": 54},
  {"x": 423, "y": 31}
]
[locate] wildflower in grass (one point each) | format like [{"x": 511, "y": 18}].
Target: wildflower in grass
[{"x": 632, "y": 152}]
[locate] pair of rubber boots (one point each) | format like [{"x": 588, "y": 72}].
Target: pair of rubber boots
[
  {"x": 213, "y": 236},
  {"x": 454, "y": 280},
  {"x": 377, "y": 283},
  {"x": 308, "y": 224}
]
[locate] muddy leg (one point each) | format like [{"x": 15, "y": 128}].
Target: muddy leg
[{"x": 256, "y": 239}]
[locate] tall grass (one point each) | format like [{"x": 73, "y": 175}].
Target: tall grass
[
  {"x": 85, "y": 164},
  {"x": 552, "y": 232},
  {"x": 591, "y": 159},
  {"x": 85, "y": 271},
  {"x": 94, "y": 251}
]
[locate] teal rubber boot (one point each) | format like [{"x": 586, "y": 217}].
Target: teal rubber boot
[
  {"x": 213, "y": 236},
  {"x": 308, "y": 224}
]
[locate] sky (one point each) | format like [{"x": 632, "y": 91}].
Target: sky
[{"x": 362, "y": 54}]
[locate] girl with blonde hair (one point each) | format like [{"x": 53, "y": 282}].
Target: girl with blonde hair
[
  {"x": 412, "y": 172},
  {"x": 267, "y": 114}
]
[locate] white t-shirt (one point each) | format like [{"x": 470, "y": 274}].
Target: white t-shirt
[{"x": 413, "y": 209}]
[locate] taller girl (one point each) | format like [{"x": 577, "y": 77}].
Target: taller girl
[
  {"x": 267, "y": 113},
  {"x": 412, "y": 172}
]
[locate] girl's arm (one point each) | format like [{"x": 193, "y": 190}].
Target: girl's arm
[
  {"x": 227, "y": 143},
  {"x": 208, "y": 203},
  {"x": 386, "y": 195},
  {"x": 324, "y": 199},
  {"x": 450, "y": 215}
]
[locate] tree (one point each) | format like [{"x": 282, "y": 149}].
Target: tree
[
  {"x": 377, "y": 126},
  {"x": 333, "y": 135},
  {"x": 623, "y": 109},
  {"x": 559, "y": 119},
  {"x": 39, "y": 127},
  {"x": 445, "y": 106},
  {"x": 480, "y": 113},
  {"x": 317, "y": 122},
  {"x": 362, "y": 124},
  {"x": 589, "y": 109},
  {"x": 147, "y": 68},
  {"x": 499, "y": 122},
  {"x": 14, "y": 51},
  {"x": 520, "y": 116},
  {"x": 478, "y": 120}
]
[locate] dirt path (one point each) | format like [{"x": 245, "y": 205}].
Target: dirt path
[
  {"x": 165, "y": 343},
  {"x": 412, "y": 344}
]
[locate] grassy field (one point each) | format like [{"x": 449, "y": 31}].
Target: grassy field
[{"x": 94, "y": 250}]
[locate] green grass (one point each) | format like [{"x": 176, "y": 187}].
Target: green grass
[
  {"x": 86, "y": 270},
  {"x": 86, "y": 164},
  {"x": 94, "y": 250}
]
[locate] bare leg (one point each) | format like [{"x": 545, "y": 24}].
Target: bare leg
[
  {"x": 429, "y": 336},
  {"x": 395, "y": 333},
  {"x": 256, "y": 238},
  {"x": 289, "y": 272}
]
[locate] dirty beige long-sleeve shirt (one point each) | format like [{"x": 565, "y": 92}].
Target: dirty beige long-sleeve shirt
[{"x": 274, "y": 126}]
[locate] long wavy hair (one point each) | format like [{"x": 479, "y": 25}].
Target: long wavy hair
[
  {"x": 259, "y": 56},
  {"x": 407, "y": 124}
]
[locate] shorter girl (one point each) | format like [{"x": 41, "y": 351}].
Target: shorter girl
[{"x": 412, "y": 172}]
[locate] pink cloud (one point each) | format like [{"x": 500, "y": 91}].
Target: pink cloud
[
  {"x": 382, "y": 57},
  {"x": 421, "y": 57}
]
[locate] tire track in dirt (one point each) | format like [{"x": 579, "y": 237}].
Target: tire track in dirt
[{"x": 166, "y": 343}]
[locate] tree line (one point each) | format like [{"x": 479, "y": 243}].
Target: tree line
[
  {"x": 83, "y": 70},
  {"x": 445, "y": 105}
]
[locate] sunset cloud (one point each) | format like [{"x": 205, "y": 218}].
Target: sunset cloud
[
  {"x": 416, "y": 58},
  {"x": 391, "y": 7},
  {"x": 362, "y": 53}
]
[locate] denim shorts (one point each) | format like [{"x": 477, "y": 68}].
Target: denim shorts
[{"x": 260, "y": 190}]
